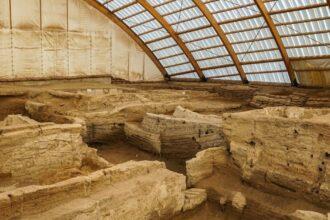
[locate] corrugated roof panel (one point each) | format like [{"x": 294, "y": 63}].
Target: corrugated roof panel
[
  {"x": 205, "y": 43},
  {"x": 162, "y": 43},
  {"x": 309, "y": 51},
  {"x": 190, "y": 25},
  {"x": 138, "y": 19},
  {"x": 180, "y": 69},
  {"x": 230, "y": 78},
  {"x": 264, "y": 67},
  {"x": 116, "y": 4},
  {"x": 174, "y": 60},
  {"x": 227, "y": 4},
  {"x": 168, "y": 52},
  {"x": 149, "y": 26},
  {"x": 225, "y": 71},
  {"x": 154, "y": 35},
  {"x": 183, "y": 15},
  {"x": 285, "y": 4},
  {"x": 312, "y": 26},
  {"x": 280, "y": 77},
  {"x": 198, "y": 34},
  {"x": 214, "y": 52},
  {"x": 129, "y": 11},
  {"x": 322, "y": 12},
  {"x": 255, "y": 46},
  {"x": 249, "y": 35},
  {"x": 187, "y": 76},
  {"x": 311, "y": 39},
  {"x": 255, "y": 23},
  {"x": 264, "y": 55},
  {"x": 218, "y": 10},
  {"x": 170, "y": 6},
  {"x": 215, "y": 62}
]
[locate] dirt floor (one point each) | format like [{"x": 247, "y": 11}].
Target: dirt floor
[
  {"x": 208, "y": 211},
  {"x": 119, "y": 151}
]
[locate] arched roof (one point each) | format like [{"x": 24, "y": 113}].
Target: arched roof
[{"x": 247, "y": 40}]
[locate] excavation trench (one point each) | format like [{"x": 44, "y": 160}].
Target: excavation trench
[{"x": 220, "y": 146}]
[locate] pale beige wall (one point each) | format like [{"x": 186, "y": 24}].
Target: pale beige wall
[
  {"x": 316, "y": 72},
  {"x": 66, "y": 38}
]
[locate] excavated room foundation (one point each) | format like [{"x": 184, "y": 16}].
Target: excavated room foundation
[{"x": 164, "y": 151}]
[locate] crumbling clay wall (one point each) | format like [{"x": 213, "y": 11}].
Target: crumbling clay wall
[
  {"x": 32, "y": 152},
  {"x": 261, "y": 100},
  {"x": 283, "y": 149},
  {"x": 132, "y": 190},
  {"x": 204, "y": 163},
  {"x": 179, "y": 136},
  {"x": 103, "y": 115}
]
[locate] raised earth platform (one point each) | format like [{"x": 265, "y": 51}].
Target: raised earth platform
[
  {"x": 132, "y": 190},
  {"x": 180, "y": 135},
  {"x": 276, "y": 165},
  {"x": 283, "y": 147},
  {"x": 35, "y": 153},
  {"x": 103, "y": 113}
]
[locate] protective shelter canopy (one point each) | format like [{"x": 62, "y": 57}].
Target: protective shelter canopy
[{"x": 272, "y": 41}]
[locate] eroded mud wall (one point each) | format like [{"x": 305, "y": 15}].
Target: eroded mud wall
[{"x": 66, "y": 39}]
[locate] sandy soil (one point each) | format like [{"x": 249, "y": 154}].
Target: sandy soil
[
  {"x": 208, "y": 211},
  {"x": 119, "y": 151}
]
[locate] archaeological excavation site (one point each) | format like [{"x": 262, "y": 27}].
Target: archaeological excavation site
[{"x": 165, "y": 109}]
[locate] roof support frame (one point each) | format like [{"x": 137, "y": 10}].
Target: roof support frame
[
  {"x": 223, "y": 38},
  {"x": 127, "y": 30},
  {"x": 174, "y": 35},
  {"x": 264, "y": 13},
  {"x": 278, "y": 40}
]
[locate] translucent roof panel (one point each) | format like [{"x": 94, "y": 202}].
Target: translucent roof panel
[
  {"x": 201, "y": 54},
  {"x": 185, "y": 42},
  {"x": 186, "y": 76},
  {"x": 280, "y": 77},
  {"x": 310, "y": 16},
  {"x": 167, "y": 42},
  {"x": 153, "y": 35},
  {"x": 264, "y": 67},
  {"x": 249, "y": 35},
  {"x": 225, "y": 71},
  {"x": 180, "y": 59},
  {"x": 147, "y": 27},
  {"x": 122, "y": 14},
  {"x": 180, "y": 69},
  {"x": 215, "y": 62},
  {"x": 116, "y": 4},
  {"x": 204, "y": 43},
  {"x": 160, "y": 54},
  {"x": 228, "y": 78},
  {"x": 167, "y": 7}
]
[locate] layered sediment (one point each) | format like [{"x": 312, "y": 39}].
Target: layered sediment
[
  {"x": 181, "y": 135},
  {"x": 33, "y": 152},
  {"x": 132, "y": 190},
  {"x": 283, "y": 148},
  {"x": 104, "y": 115},
  {"x": 274, "y": 156}
]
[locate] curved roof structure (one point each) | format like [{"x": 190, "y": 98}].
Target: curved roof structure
[{"x": 236, "y": 40}]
